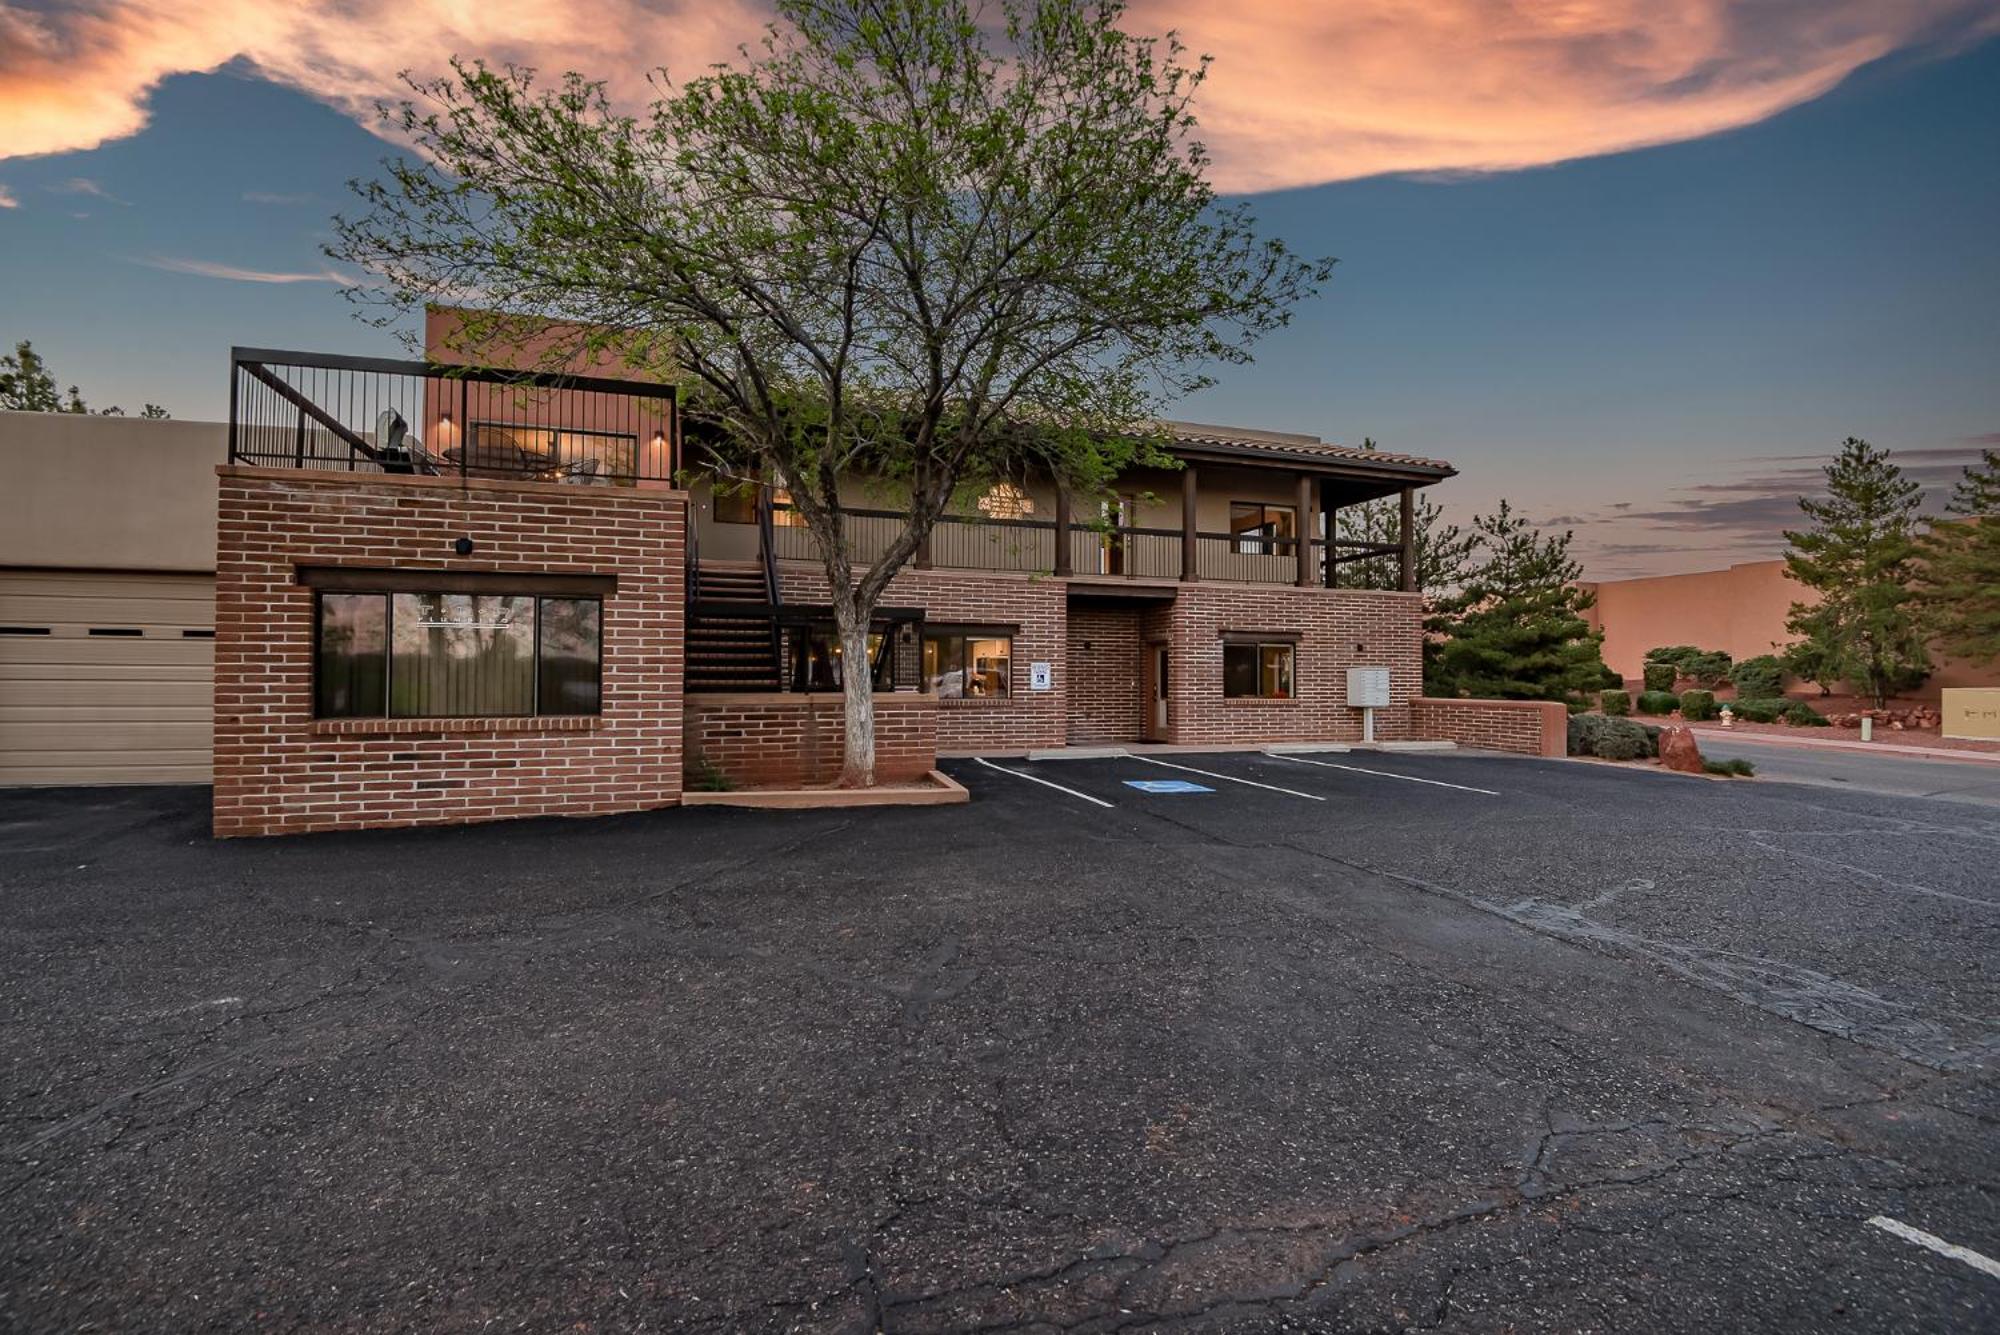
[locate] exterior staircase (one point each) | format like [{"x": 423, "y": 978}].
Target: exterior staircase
[{"x": 732, "y": 652}]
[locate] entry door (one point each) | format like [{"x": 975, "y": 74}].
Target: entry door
[
  {"x": 1156, "y": 692},
  {"x": 1121, "y": 514}
]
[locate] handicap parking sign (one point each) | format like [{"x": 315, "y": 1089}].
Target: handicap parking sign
[{"x": 1166, "y": 786}]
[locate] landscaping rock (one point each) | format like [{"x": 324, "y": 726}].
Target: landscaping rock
[{"x": 1678, "y": 750}]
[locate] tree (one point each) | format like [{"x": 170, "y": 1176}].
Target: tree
[
  {"x": 1516, "y": 630},
  {"x": 1861, "y": 556},
  {"x": 905, "y": 239},
  {"x": 1960, "y": 580},
  {"x": 26, "y": 385},
  {"x": 1443, "y": 550}
]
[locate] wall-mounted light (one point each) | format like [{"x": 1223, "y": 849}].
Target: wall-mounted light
[
  {"x": 659, "y": 439},
  {"x": 463, "y": 546}
]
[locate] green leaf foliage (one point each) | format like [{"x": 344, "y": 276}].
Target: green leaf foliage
[
  {"x": 1960, "y": 579},
  {"x": 1657, "y": 702},
  {"x": 1615, "y": 702},
  {"x": 27, "y": 385},
  {"x": 1660, "y": 676},
  {"x": 1759, "y": 678},
  {"x": 1697, "y": 705},
  {"x": 1860, "y": 552}
]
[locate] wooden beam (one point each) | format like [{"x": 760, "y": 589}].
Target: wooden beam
[
  {"x": 1407, "y": 533},
  {"x": 1065, "y": 559},
  {"x": 1302, "y": 543},
  {"x": 1190, "y": 527}
]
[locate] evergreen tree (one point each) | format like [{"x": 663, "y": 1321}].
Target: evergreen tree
[
  {"x": 1861, "y": 556},
  {"x": 1516, "y": 630},
  {"x": 26, "y": 385},
  {"x": 1960, "y": 584},
  {"x": 1443, "y": 550}
]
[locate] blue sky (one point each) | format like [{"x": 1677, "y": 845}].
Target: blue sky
[{"x": 1679, "y": 331}]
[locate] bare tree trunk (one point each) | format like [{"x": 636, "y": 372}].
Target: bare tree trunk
[{"x": 857, "y": 762}]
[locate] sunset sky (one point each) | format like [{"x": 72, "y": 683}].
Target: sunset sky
[{"x": 1635, "y": 264}]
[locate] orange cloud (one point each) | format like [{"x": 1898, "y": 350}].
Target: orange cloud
[{"x": 1301, "y": 92}]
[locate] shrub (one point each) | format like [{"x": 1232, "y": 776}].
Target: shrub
[
  {"x": 1613, "y": 679},
  {"x": 1757, "y": 711},
  {"x": 1676, "y": 654},
  {"x": 1661, "y": 676},
  {"x": 1658, "y": 702},
  {"x": 1697, "y": 705},
  {"x": 1706, "y": 670},
  {"x": 1759, "y": 678},
  {"x": 1738, "y": 768},
  {"x": 1800, "y": 714},
  {"x": 1608, "y": 738},
  {"x": 1652, "y": 731},
  {"x": 1615, "y": 702}
]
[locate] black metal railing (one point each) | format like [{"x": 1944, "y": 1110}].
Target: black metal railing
[{"x": 368, "y": 414}]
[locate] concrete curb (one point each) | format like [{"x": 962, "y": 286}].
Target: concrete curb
[
  {"x": 1849, "y": 746},
  {"x": 942, "y": 790}
]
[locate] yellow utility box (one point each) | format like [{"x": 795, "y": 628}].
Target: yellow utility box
[{"x": 1972, "y": 712}]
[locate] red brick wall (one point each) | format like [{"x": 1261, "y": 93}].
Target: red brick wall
[
  {"x": 790, "y": 741},
  {"x": 278, "y": 771},
  {"x": 1026, "y": 718},
  {"x": 1105, "y": 703},
  {"x": 1337, "y": 629},
  {"x": 1529, "y": 727}
]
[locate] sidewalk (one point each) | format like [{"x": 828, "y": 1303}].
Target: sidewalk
[{"x": 1854, "y": 743}]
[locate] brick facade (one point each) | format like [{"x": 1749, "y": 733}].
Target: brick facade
[
  {"x": 791, "y": 741},
  {"x": 277, "y": 770},
  {"x": 1528, "y": 727},
  {"x": 1106, "y": 693}
]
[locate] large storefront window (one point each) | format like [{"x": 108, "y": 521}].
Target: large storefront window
[
  {"x": 818, "y": 662},
  {"x": 968, "y": 665},
  {"x": 457, "y": 655}
]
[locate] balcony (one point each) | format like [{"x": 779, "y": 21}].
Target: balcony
[
  {"x": 1029, "y": 546},
  {"x": 374, "y": 415}
]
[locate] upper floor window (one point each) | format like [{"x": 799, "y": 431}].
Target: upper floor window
[
  {"x": 456, "y": 655},
  {"x": 1262, "y": 530}
]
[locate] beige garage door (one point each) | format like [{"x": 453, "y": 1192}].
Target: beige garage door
[{"x": 104, "y": 678}]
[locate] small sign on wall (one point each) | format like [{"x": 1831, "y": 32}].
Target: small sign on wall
[
  {"x": 1040, "y": 676},
  {"x": 1368, "y": 688}
]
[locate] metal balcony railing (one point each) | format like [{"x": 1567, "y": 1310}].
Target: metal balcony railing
[{"x": 368, "y": 414}]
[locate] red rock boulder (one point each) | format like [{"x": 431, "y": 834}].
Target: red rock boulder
[{"x": 1678, "y": 751}]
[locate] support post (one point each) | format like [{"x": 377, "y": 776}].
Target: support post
[
  {"x": 1407, "y": 531},
  {"x": 1302, "y": 541},
  {"x": 1065, "y": 559},
  {"x": 1190, "y": 536}
]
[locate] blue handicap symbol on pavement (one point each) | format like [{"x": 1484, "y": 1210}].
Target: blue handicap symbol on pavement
[{"x": 1166, "y": 786}]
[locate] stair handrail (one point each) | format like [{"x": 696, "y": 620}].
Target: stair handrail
[{"x": 767, "y": 542}]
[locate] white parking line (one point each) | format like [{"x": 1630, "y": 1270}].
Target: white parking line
[
  {"x": 1381, "y": 773},
  {"x": 1984, "y": 1264},
  {"x": 1231, "y": 778},
  {"x": 1044, "y": 782}
]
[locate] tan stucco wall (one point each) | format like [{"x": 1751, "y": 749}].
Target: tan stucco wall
[
  {"x": 1741, "y": 610},
  {"x": 108, "y": 493}
]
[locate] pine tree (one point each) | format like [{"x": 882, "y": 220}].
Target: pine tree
[
  {"x": 26, "y": 385},
  {"x": 1443, "y": 550},
  {"x": 1516, "y": 630},
  {"x": 1861, "y": 556},
  {"x": 1960, "y": 584}
]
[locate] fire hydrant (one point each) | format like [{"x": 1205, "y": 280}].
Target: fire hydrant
[{"x": 1728, "y": 717}]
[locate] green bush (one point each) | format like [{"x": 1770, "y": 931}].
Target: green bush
[
  {"x": 1661, "y": 676},
  {"x": 1652, "y": 731},
  {"x": 1608, "y": 738},
  {"x": 1759, "y": 678},
  {"x": 1676, "y": 654},
  {"x": 1658, "y": 702},
  {"x": 1802, "y": 715},
  {"x": 1706, "y": 670},
  {"x": 1615, "y": 702},
  {"x": 1697, "y": 705},
  {"x": 1612, "y": 679},
  {"x": 1738, "y": 768},
  {"x": 1757, "y": 711}
]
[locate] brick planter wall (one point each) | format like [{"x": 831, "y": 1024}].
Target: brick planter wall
[
  {"x": 278, "y": 770},
  {"x": 1528, "y": 727},
  {"x": 789, "y": 741}
]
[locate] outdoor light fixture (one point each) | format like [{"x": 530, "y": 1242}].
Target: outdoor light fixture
[{"x": 463, "y": 546}]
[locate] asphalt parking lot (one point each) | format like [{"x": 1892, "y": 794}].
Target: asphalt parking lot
[{"x": 1341, "y": 1042}]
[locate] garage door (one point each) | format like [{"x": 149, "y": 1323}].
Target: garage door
[{"x": 105, "y": 678}]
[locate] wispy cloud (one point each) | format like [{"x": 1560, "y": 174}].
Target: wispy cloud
[
  {"x": 82, "y": 185},
  {"x": 237, "y": 274},
  {"x": 1301, "y": 91},
  {"x": 8, "y": 199},
  {"x": 274, "y": 197}
]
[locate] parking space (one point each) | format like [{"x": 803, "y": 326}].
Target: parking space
[{"x": 1323, "y": 1042}]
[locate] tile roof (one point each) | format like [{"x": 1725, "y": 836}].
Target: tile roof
[{"x": 1289, "y": 444}]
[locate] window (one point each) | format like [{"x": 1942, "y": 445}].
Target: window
[
  {"x": 1257, "y": 671},
  {"x": 1006, "y": 501},
  {"x": 539, "y": 451},
  {"x": 959, "y": 665},
  {"x": 456, "y": 655},
  {"x": 1262, "y": 530},
  {"x": 817, "y": 659}
]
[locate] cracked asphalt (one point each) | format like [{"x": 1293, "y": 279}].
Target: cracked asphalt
[{"x": 1596, "y": 1050}]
